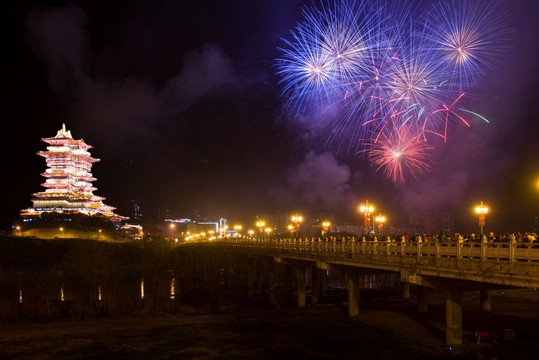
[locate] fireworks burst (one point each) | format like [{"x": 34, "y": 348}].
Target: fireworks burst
[
  {"x": 399, "y": 153},
  {"x": 467, "y": 37},
  {"x": 394, "y": 82}
]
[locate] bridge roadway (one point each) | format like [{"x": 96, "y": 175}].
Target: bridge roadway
[{"x": 451, "y": 267}]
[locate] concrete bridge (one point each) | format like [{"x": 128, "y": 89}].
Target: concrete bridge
[{"x": 451, "y": 268}]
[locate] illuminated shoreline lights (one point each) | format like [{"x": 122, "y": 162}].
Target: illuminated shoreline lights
[
  {"x": 68, "y": 186},
  {"x": 385, "y": 84}
]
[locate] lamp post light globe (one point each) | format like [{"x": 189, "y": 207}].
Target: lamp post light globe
[
  {"x": 296, "y": 219},
  {"x": 260, "y": 225},
  {"x": 291, "y": 229},
  {"x": 325, "y": 227},
  {"x": 481, "y": 210},
  {"x": 366, "y": 209},
  {"x": 238, "y": 229},
  {"x": 380, "y": 220}
]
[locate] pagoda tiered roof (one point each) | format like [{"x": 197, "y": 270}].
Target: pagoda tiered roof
[{"x": 69, "y": 180}]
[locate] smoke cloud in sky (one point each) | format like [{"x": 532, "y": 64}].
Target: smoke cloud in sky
[
  {"x": 120, "y": 107},
  {"x": 58, "y": 37},
  {"x": 321, "y": 182},
  {"x": 436, "y": 194}
]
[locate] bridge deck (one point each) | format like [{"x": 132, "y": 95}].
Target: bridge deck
[{"x": 503, "y": 264}]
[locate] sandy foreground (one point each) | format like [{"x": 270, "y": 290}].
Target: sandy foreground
[{"x": 385, "y": 329}]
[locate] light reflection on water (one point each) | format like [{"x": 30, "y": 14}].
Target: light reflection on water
[
  {"x": 366, "y": 281},
  {"x": 172, "y": 288},
  {"x": 334, "y": 280}
]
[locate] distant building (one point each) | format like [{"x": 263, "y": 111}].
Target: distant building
[
  {"x": 432, "y": 222},
  {"x": 278, "y": 222},
  {"x": 347, "y": 228},
  {"x": 68, "y": 186},
  {"x": 135, "y": 210},
  {"x": 163, "y": 214}
]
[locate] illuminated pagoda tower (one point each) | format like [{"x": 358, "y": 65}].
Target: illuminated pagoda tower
[{"x": 69, "y": 186}]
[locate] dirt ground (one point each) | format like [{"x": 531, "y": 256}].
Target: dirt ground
[{"x": 387, "y": 328}]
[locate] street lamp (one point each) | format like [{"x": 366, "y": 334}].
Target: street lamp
[
  {"x": 238, "y": 229},
  {"x": 481, "y": 210},
  {"x": 268, "y": 231},
  {"x": 291, "y": 229},
  {"x": 380, "y": 219},
  {"x": 62, "y": 232},
  {"x": 367, "y": 210},
  {"x": 297, "y": 219},
  {"x": 325, "y": 227},
  {"x": 251, "y": 233},
  {"x": 260, "y": 225}
]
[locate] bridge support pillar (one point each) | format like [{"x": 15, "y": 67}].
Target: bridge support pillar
[
  {"x": 406, "y": 290},
  {"x": 271, "y": 283},
  {"x": 486, "y": 300},
  {"x": 301, "y": 286},
  {"x": 323, "y": 282},
  {"x": 316, "y": 275},
  {"x": 353, "y": 295},
  {"x": 251, "y": 272},
  {"x": 260, "y": 271},
  {"x": 422, "y": 299},
  {"x": 453, "y": 318}
]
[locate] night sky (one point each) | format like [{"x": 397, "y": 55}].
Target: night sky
[{"x": 181, "y": 102}]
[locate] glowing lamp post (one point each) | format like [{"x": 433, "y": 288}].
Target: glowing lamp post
[
  {"x": 380, "y": 220},
  {"x": 260, "y": 225},
  {"x": 251, "y": 233},
  {"x": 238, "y": 229},
  {"x": 62, "y": 232},
  {"x": 367, "y": 210},
  {"x": 325, "y": 227},
  {"x": 291, "y": 229},
  {"x": 297, "y": 219},
  {"x": 268, "y": 231},
  {"x": 481, "y": 210}
]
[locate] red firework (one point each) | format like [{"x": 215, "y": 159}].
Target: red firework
[{"x": 399, "y": 153}]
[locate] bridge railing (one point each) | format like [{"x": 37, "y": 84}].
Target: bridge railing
[{"x": 483, "y": 251}]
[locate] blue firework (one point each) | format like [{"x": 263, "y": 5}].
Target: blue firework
[
  {"x": 379, "y": 70},
  {"x": 467, "y": 37}
]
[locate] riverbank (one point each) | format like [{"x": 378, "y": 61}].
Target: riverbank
[{"x": 387, "y": 328}]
